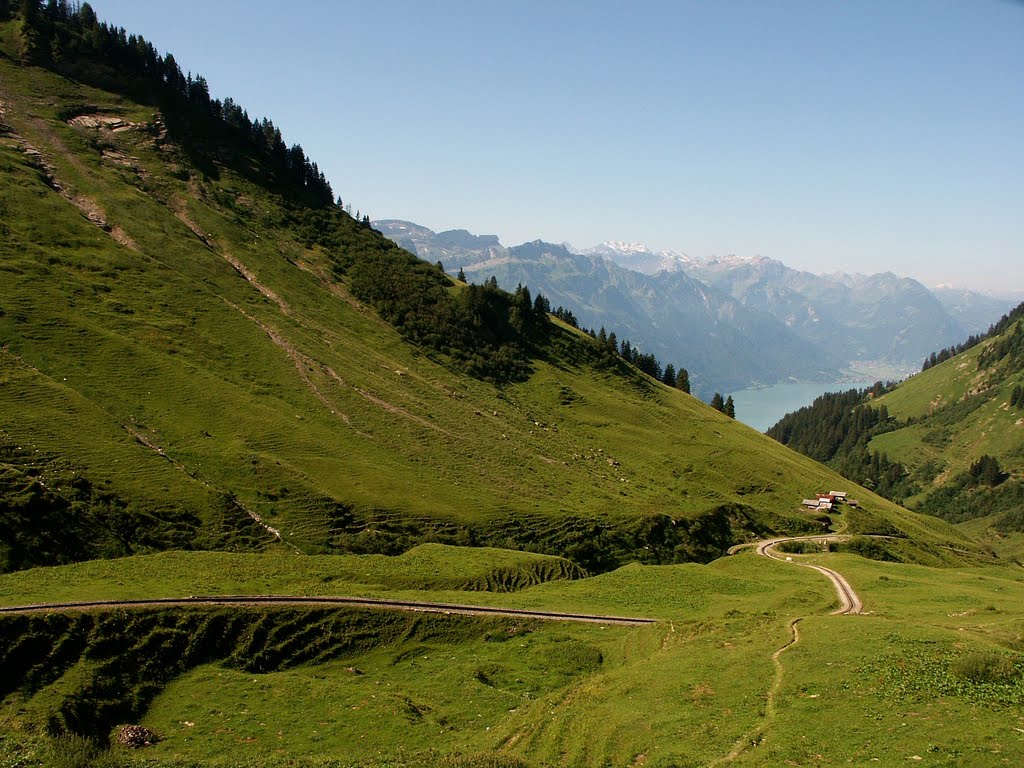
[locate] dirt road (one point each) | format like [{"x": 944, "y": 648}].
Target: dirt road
[
  {"x": 326, "y": 602},
  {"x": 849, "y": 601}
]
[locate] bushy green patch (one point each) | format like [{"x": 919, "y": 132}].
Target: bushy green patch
[
  {"x": 799, "y": 547},
  {"x": 978, "y": 678},
  {"x": 986, "y": 668},
  {"x": 966, "y": 498}
]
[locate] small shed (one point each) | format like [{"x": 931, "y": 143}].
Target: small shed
[
  {"x": 810, "y": 503},
  {"x": 837, "y": 495}
]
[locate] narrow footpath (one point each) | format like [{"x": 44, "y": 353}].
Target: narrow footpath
[{"x": 849, "y": 603}]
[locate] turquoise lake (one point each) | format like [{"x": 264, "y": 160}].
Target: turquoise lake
[{"x": 761, "y": 408}]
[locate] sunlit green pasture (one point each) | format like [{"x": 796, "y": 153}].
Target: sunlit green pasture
[{"x": 890, "y": 684}]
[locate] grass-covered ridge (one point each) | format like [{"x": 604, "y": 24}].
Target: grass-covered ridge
[
  {"x": 962, "y": 431},
  {"x": 178, "y": 574},
  {"x": 948, "y": 441},
  {"x": 184, "y": 349}
]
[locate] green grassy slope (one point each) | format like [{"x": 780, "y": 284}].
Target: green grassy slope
[
  {"x": 182, "y": 368},
  {"x": 963, "y": 412},
  {"x": 193, "y": 363},
  {"x": 953, "y": 414},
  {"x": 937, "y": 647}
]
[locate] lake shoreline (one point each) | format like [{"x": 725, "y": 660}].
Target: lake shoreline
[{"x": 762, "y": 407}]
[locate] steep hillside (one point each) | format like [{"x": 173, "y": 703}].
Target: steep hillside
[
  {"x": 199, "y": 351},
  {"x": 948, "y": 441},
  {"x": 962, "y": 430}
]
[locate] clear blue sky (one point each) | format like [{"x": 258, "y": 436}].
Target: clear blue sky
[{"x": 859, "y": 136}]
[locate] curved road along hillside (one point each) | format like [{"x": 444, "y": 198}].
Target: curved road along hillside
[
  {"x": 322, "y": 602},
  {"x": 849, "y": 602}
]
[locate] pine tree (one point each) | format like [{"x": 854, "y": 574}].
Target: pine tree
[
  {"x": 32, "y": 32},
  {"x": 541, "y": 305},
  {"x": 987, "y": 471},
  {"x": 683, "y": 380},
  {"x": 525, "y": 300},
  {"x": 462, "y": 275},
  {"x": 87, "y": 16},
  {"x": 730, "y": 408},
  {"x": 1017, "y": 397},
  {"x": 668, "y": 376},
  {"x": 717, "y": 402},
  {"x": 440, "y": 266}
]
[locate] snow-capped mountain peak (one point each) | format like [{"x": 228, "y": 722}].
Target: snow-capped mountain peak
[{"x": 640, "y": 257}]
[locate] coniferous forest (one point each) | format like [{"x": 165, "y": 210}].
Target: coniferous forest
[{"x": 836, "y": 430}]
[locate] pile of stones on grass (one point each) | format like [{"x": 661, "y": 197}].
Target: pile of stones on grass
[{"x": 136, "y": 737}]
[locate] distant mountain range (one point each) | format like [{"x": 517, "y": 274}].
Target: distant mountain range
[
  {"x": 683, "y": 321},
  {"x": 733, "y": 322}
]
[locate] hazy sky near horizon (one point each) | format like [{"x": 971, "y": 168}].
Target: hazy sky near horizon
[{"x": 857, "y": 136}]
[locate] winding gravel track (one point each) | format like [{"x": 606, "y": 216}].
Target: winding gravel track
[
  {"x": 850, "y": 603},
  {"x": 322, "y": 602}
]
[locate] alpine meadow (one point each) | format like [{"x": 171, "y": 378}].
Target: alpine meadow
[{"x": 276, "y": 492}]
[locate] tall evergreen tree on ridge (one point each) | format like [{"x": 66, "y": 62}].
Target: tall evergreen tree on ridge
[{"x": 683, "y": 380}]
